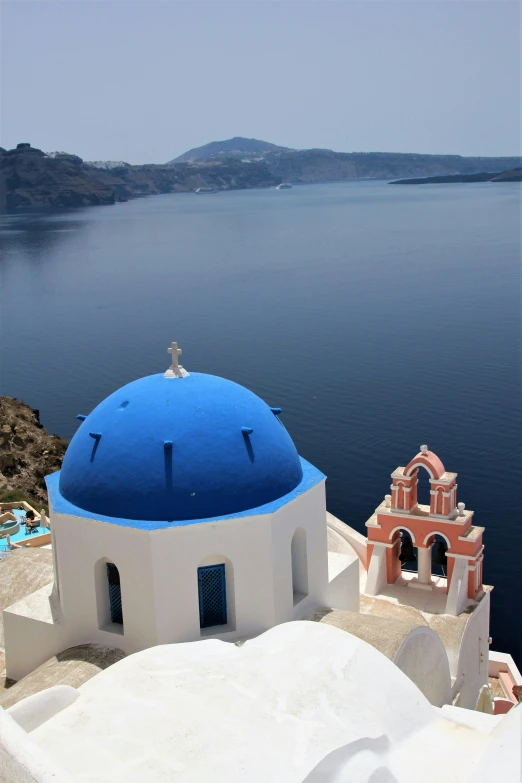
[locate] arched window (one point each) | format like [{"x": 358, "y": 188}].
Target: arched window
[
  {"x": 212, "y": 592},
  {"x": 299, "y": 566},
  {"x": 108, "y": 596},
  {"x": 216, "y": 595},
  {"x": 113, "y": 582}
]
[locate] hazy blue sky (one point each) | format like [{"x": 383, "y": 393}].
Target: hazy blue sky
[{"x": 145, "y": 81}]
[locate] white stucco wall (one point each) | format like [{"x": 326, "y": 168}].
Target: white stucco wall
[
  {"x": 33, "y": 633},
  {"x": 81, "y": 544},
  {"x": 422, "y": 657},
  {"x": 376, "y": 571},
  {"x": 343, "y": 586},
  {"x": 40, "y": 707},
  {"x": 458, "y": 592},
  {"x": 22, "y": 760},
  {"x": 244, "y": 546},
  {"x": 307, "y": 512},
  {"x": 159, "y": 586},
  {"x": 473, "y": 655},
  {"x": 303, "y": 702}
]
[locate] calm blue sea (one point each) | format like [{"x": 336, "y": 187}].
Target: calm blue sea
[{"x": 377, "y": 317}]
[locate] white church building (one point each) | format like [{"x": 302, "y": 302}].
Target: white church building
[
  {"x": 182, "y": 511},
  {"x": 182, "y": 514}
]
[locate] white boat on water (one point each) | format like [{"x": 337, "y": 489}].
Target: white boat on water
[
  {"x": 206, "y": 190},
  {"x": 284, "y": 186}
]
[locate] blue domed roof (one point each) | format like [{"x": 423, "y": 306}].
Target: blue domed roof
[{"x": 179, "y": 449}]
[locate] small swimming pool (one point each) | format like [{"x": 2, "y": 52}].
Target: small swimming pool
[
  {"x": 19, "y": 514},
  {"x": 22, "y": 534}
]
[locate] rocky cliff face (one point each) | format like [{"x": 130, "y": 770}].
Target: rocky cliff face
[
  {"x": 27, "y": 451},
  {"x": 228, "y": 174},
  {"x": 298, "y": 166},
  {"x": 321, "y": 165},
  {"x": 30, "y": 178},
  {"x": 325, "y": 165}
]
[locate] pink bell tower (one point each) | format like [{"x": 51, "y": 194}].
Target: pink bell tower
[{"x": 444, "y": 517}]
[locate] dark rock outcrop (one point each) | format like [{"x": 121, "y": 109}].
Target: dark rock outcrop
[
  {"x": 30, "y": 178},
  {"x": 27, "y": 451},
  {"x": 484, "y": 176}
]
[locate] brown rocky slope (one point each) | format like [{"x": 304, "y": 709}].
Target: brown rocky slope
[
  {"x": 27, "y": 453},
  {"x": 30, "y": 178}
]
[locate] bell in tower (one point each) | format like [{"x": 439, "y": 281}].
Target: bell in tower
[{"x": 407, "y": 554}]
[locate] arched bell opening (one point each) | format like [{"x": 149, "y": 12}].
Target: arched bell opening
[
  {"x": 408, "y": 553},
  {"x": 404, "y": 550},
  {"x": 439, "y": 561}
]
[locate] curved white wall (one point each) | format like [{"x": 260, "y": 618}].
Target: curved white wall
[{"x": 422, "y": 657}]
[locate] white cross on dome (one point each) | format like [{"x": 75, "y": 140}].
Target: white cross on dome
[{"x": 176, "y": 370}]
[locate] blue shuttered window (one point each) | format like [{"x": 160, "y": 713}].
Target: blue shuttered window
[
  {"x": 212, "y": 596},
  {"x": 113, "y": 579}
]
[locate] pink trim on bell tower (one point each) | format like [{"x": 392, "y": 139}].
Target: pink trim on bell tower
[{"x": 443, "y": 517}]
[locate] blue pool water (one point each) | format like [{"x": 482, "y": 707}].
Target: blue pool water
[{"x": 22, "y": 534}]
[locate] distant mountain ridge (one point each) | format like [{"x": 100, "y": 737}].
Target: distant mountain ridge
[
  {"x": 31, "y": 178},
  {"x": 324, "y": 165},
  {"x": 229, "y": 148}
]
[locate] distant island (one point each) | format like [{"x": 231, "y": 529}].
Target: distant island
[
  {"x": 233, "y": 148},
  {"x": 31, "y": 178},
  {"x": 514, "y": 175}
]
